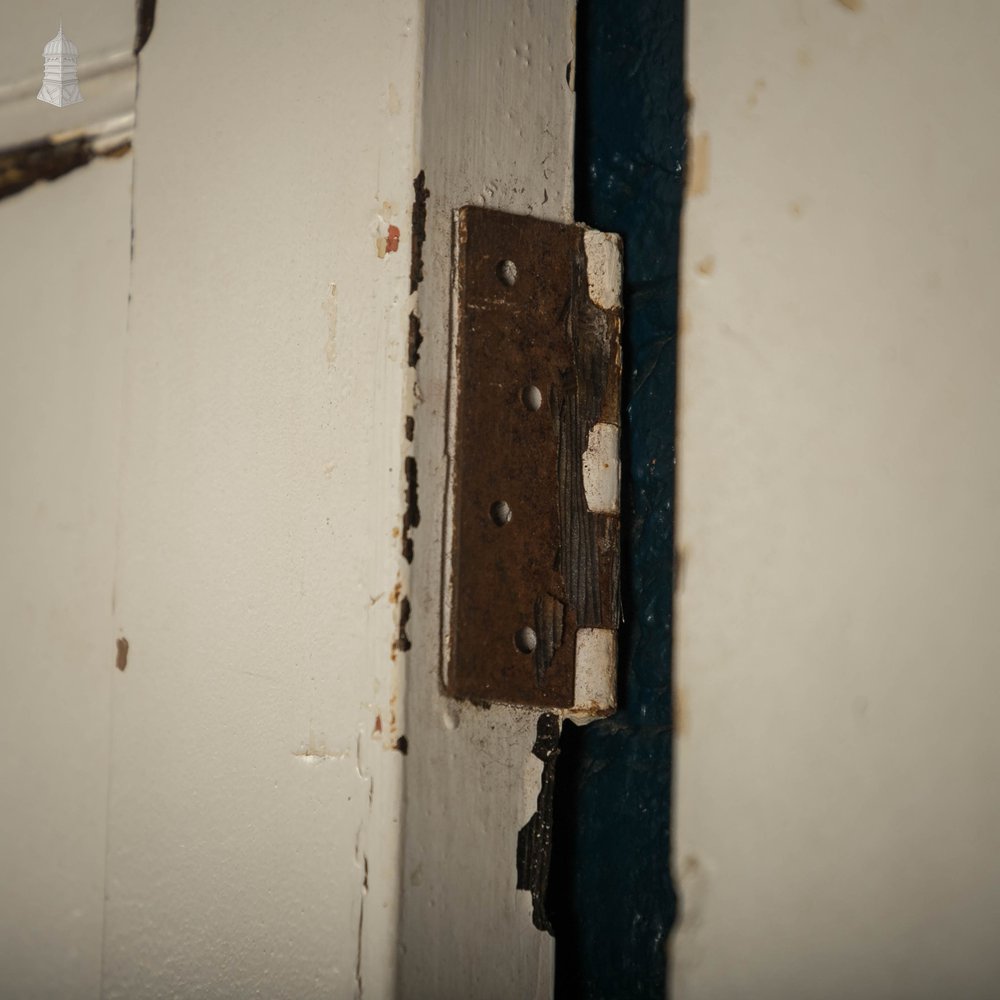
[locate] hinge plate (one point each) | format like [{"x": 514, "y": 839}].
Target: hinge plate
[{"x": 531, "y": 573}]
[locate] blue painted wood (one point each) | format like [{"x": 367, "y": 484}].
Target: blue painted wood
[{"x": 610, "y": 894}]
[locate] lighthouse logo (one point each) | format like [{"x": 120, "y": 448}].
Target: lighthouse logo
[{"x": 59, "y": 84}]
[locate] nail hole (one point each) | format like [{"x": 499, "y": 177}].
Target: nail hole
[
  {"x": 500, "y": 512},
  {"x": 531, "y": 396},
  {"x": 525, "y": 640},
  {"x": 507, "y": 272}
]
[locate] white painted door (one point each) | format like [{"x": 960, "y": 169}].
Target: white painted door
[
  {"x": 207, "y": 402},
  {"x": 837, "y": 820}
]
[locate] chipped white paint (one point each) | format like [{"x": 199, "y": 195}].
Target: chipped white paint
[
  {"x": 237, "y": 466},
  {"x": 837, "y": 818},
  {"x": 602, "y": 469},
  {"x": 604, "y": 268},
  {"x": 596, "y": 672}
]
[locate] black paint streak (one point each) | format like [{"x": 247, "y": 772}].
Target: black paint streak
[
  {"x": 534, "y": 839},
  {"x": 402, "y": 745},
  {"x": 45, "y": 160},
  {"x": 414, "y": 342},
  {"x": 409, "y": 425},
  {"x": 610, "y": 895},
  {"x": 421, "y": 194},
  {"x": 145, "y": 15},
  {"x": 411, "y": 516}
]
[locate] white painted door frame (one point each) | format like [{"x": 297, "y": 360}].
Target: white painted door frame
[{"x": 253, "y": 823}]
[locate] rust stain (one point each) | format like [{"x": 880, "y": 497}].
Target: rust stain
[
  {"x": 396, "y": 590},
  {"x": 698, "y": 164},
  {"x": 121, "y": 659},
  {"x": 796, "y": 209},
  {"x": 378, "y": 725},
  {"x": 392, "y": 240},
  {"x": 706, "y": 265},
  {"x": 852, "y": 5}
]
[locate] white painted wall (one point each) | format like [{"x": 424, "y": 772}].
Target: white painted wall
[{"x": 837, "y": 822}]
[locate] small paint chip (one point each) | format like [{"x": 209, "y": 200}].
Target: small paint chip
[
  {"x": 601, "y": 469},
  {"x": 698, "y": 164},
  {"x": 604, "y": 268},
  {"x": 392, "y": 239},
  {"x": 121, "y": 659},
  {"x": 706, "y": 266}
]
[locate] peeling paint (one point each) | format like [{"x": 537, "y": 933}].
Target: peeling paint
[
  {"x": 421, "y": 194},
  {"x": 534, "y": 839},
  {"x": 315, "y": 752},
  {"x": 403, "y": 643},
  {"x": 604, "y": 268},
  {"x": 411, "y": 516},
  {"x": 601, "y": 469},
  {"x": 414, "y": 341},
  {"x": 49, "y": 159},
  {"x": 596, "y": 671}
]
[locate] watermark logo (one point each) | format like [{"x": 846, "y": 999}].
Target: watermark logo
[{"x": 59, "y": 84}]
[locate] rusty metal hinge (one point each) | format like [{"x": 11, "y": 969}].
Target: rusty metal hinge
[{"x": 531, "y": 604}]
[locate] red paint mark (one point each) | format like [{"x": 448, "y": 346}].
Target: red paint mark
[
  {"x": 378, "y": 725},
  {"x": 392, "y": 240}
]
